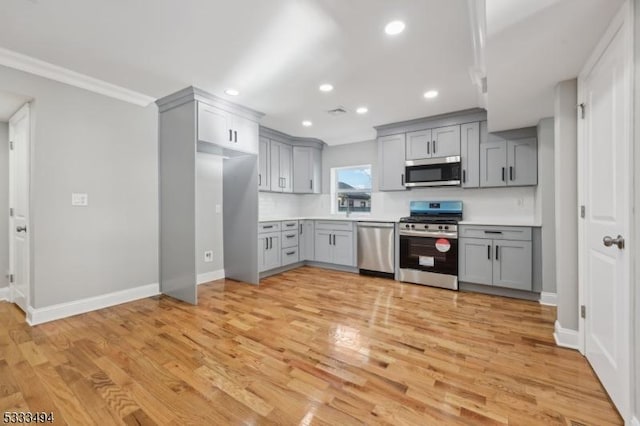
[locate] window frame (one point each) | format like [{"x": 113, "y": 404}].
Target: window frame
[{"x": 335, "y": 208}]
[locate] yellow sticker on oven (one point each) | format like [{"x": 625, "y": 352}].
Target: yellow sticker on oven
[{"x": 443, "y": 245}]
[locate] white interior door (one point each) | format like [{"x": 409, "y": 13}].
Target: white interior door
[
  {"x": 606, "y": 176},
  {"x": 19, "y": 129}
]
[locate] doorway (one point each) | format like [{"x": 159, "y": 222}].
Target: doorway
[
  {"x": 19, "y": 195},
  {"x": 605, "y": 193}
]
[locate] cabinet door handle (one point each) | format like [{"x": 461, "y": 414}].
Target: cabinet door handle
[
  {"x": 300, "y": 229},
  {"x": 503, "y": 174},
  {"x": 259, "y": 179},
  {"x": 434, "y": 147},
  {"x": 511, "y": 173},
  {"x": 266, "y": 244},
  {"x": 329, "y": 239},
  {"x": 464, "y": 176},
  {"x": 270, "y": 243},
  {"x": 311, "y": 184},
  {"x": 230, "y": 135},
  {"x": 402, "y": 179},
  {"x": 291, "y": 236},
  {"x": 497, "y": 251},
  {"x": 429, "y": 147},
  {"x": 489, "y": 252},
  {"x": 289, "y": 253},
  {"x": 235, "y": 136},
  {"x": 267, "y": 226},
  {"x": 334, "y": 239}
]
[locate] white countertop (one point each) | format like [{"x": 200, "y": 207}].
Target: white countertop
[
  {"x": 482, "y": 222},
  {"x": 353, "y": 218},
  {"x": 501, "y": 222}
]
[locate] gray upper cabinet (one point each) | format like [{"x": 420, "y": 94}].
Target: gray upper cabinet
[
  {"x": 470, "y": 154},
  {"x": 280, "y": 164},
  {"x": 445, "y": 141},
  {"x": 508, "y": 162},
  {"x": 522, "y": 160},
  {"x": 391, "y": 162},
  {"x": 264, "y": 165},
  {"x": 307, "y": 168},
  {"x": 493, "y": 163},
  {"x": 223, "y": 128},
  {"x": 418, "y": 145}
]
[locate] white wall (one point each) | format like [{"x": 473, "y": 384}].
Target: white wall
[
  {"x": 85, "y": 142},
  {"x": 545, "y": 203},
  {"x": 566, "y": 202},
  {"x": 209, "y": 230},
  {"x": 4, "y": 204}
]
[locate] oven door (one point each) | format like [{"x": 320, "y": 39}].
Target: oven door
[
  {"x": 429, "y": 254},
  {"x": 433, "y": 172}
]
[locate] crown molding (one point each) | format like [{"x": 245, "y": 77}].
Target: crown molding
[{"x": 44, "y": 69}]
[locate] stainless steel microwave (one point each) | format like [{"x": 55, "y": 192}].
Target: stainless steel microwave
[{"x": 443, "y": 171}]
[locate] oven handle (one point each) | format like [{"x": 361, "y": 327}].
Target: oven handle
[{"x": 449, "y": 235}]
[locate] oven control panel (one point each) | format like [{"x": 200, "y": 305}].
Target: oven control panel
[{"x": 428, "y": 227}]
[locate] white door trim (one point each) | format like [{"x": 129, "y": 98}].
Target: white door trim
[
  {"x": 24, "y": 111},
  {"x": 622, "y": 21}
]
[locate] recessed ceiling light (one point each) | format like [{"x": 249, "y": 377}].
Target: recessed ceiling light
[
  {"x": 307, "y": 123},
  {"x": 326, "y": 87},
  {"x": 431, "y": 94},
  {"x": 362, "y": 110},
  {"x": 232, "y": 92},
  {"x": 394, "y": 27}
]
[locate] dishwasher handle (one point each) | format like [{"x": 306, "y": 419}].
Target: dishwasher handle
[{"x": 375, "y": 225}]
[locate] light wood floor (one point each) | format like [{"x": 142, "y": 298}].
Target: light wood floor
[{"x": 309, "y": 346}]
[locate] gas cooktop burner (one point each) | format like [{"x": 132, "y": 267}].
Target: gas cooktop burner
[{"x": 435, "y": 212}]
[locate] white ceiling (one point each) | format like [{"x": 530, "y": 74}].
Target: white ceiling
[
  {"x": 9, "y": 104},
  {"x": 531, "y": 46},
  {"x": 277, "y": 52}
]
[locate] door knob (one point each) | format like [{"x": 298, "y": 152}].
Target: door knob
[
  {"x": 608, "y": 241},
  {"x": 21, "y": 229}
]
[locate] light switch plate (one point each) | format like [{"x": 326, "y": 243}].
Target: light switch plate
[{"x": 79, "y": 199}]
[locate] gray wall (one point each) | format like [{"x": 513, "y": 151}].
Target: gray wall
[
  {"x": 545, "y": 202},
  {"x": 352, "y": 154},
  {"x": 4, "y": 204},
  {"x": 209, "y": 223},
  {"x": 566, "y": 202},
  {"x": 85, "y": 142}
]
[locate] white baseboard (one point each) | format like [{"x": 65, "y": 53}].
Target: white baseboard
[
  {"x": 550, "y": 299},
  {"x": 37, "y": 316},
  {"x": 210, "y": 276},
  {"x": 566, "y": 338},
  {"x": 4, "y": 294},
  {"x": 635, "y": 421}
]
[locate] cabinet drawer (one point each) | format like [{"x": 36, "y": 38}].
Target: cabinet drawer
[
  {"x": 290, "y": 238},
  {"x": 289, "y": 256},
  {"x": 268, "y": 227},
  {"x": 289, "y": 225},
  {"x": 334, "y": 225},
  {"x": 516, "y": 233}
]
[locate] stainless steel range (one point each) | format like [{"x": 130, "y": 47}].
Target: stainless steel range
[{"x": 429, "y": 243}]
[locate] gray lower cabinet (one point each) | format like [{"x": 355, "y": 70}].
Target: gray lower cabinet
[
  {"x": 334, "y": 247},
  {"x": 494, "y": 259},
  {"x": 307, "y": 169},
  {"x": 470, "y": 154},
  {"x": 269, "y": 251},
  {"x": 306, "y": 240},
  {"x": 323, "y": 245},
  {"x": 264, "y": 165},
  {"x": 508, "y": 162},
  {"x": 391, "y": 163}
]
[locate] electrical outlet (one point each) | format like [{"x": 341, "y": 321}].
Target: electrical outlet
[
  {"x": 208, "y": 256},
  {"x": 218, "y": 208},
  {"x": 79, "y": 199}
]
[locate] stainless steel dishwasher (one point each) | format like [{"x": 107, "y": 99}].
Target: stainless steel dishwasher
[{"x": 376, "y": 248}]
